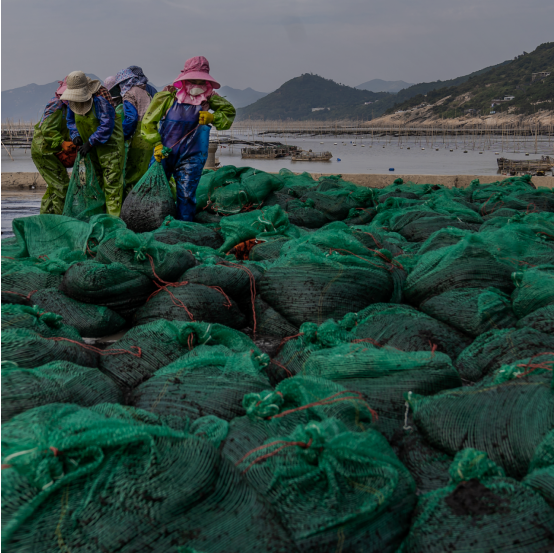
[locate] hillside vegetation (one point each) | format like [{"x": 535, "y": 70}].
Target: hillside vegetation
[
  {"x": 479, "y": 90},
  {"x": 296, "y": 98}
]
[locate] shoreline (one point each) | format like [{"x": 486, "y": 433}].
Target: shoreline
[{"x": 33, "y": 182}]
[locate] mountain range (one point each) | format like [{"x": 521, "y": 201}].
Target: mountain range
[{"x": 378, "y": 85}]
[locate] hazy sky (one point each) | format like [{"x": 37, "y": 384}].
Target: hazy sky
[{"x": 263, "y": 43}]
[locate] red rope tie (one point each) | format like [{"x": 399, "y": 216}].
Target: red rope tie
[
  {"x": 6, "y": 257},
  {"x": 190, "y": 341},
  {"x": 268, "y": 455},
  {"x": 285, "y": 340},
  {"x": 95, "y": 349},
  {"x": 43, "y": 256},
  {"x": 282, "y": 367},
  {"x": 533, "y": 367},
  {"x": 329, "y": 401},
  {"x": 433, "y": 348},
  {"x": 54, "y": 450},
  {"x": 252, "y": 280},
  {"x": 222, "y": 292},
  {"x": 370, "y": 340},
  {"x": 27, "y": 297}
]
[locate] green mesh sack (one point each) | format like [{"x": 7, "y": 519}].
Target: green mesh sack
[
  {"x": 295, "y": 401},
  {"x": 427, "y": 465},
  {"x": 149, "y": 202},
  {"x": 295, "y": 349},
  {"x": 500, "y": 347},
  {"x": 210, "y": 182},
  {"x": 541, "y": 320},
  {"x": 534, "y": 289},
  {"x": 21, "y": 284},
  {"x": 263, "y": 224},
  {"x": 541, "y": 469},
  {"x": 208, "y": 381},
  {"x": 336, "y": 204},
  {"x": 91, "y": 321},
  {"x": 40, "y": 320},
  {"x": 29, "y": 350},
  {"x": 507, "y": 415},
  {"x": 142, "y": 253},
  {"x": 467, "y": 264},
  {"x": 163, "y": 342},
  {"x": 41, "y": 235},
  {"x": 423, "y": 228},
  {"x": 442, "y": 238},
  {"x": 251, "y": 191},
  {"x": 113, "y": 478},
  {"x": 270, "y": 323},
  {"x": 304, "y": 214},
  {"x": 174, "y": 231},
  {"x": 404, "y": 328},
  {"x": 114, "y": 286},
  {"x": 360, "y": 216},
  {"x": 334, "y": 489},
  {"x": 56, "y": 382},
  {"x": 267, "y": 251},
  {"x": 473, "y": 311},
  {"x": 191, "y": 302},
  {"x": 383, "y": 375},
  {"x": 480, "y": 510},
  {"x": 311, "y": 286},
  {"x": 85, "y": 196}
]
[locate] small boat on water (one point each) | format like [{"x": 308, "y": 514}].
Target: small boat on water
[
  {"x": 545, "y": 163},
  {"x": 270, "y": 152},
  {"x": 303, "y": 155}
]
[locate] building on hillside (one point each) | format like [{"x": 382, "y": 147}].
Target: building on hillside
[
  {"x": 509, "y": 98},
  {"x": 367, "y": 103},
  {"x": 320, "y": 109},
  {"x": 472, "y": 111},
  {"x": 539, "y": 76}
]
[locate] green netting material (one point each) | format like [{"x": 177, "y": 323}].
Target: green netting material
[
  {"x": 534, "y": 289},
  {"x": 85, "y": 196},
  {"x": 506, "y": 415},
  {"x": 541, "y": 469},
  {"x": 334, "y": 488},
  {"x": 153, "y": 487},
  {"x": 541, "y": 320},
  {"x": 56, "y": 382},
  {"x": 473, "y": 311},
  {"x": 149, "y": 202},
  {"x": 480, "y": 510}
]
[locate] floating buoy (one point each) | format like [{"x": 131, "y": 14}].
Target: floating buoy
[
  {"x": 383, "y": 146},
  {"x": 451, "y": 150},
  {"x": 437, "y": 149},
  {"x": 391, "y": 168},
  {"x": 526, "y": 154},
  {"x": 363, "y": 145},
  {"x": 480, "y": 152},
  {"x": 401, "y": 147},
  {"x": 423, "y": 148},
  {"x": 353, "y": 144},
  {"x": 321, "y": 142},
  {"x": 408, "y": 148},
  {"x": 338, "y": 159},
  {"x": 496, "y": 153},
  {"x": 334, "y": 143},
  {"x": 465, "y": 151}
]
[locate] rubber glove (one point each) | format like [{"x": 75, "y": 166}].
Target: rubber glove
[
  {"x": 158, "y": 154},
  {"x": 85, "y": 148},
  {"x": 78, "y": 141},
  {"x": 206, "y": 118}
]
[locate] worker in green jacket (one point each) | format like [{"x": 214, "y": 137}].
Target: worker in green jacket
[
  {"x": 95, "y": 127},
  {"x": 50, "y": 148},
  {"x": 178, "y": 118}
]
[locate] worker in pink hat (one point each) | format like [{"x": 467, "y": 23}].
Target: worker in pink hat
[
  {"x": 53, "y": 151},
  {"x": 179, "y": 118}
]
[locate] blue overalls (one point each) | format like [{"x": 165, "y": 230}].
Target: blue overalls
[{"x": 189, "y": 141}]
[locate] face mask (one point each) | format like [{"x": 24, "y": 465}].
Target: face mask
[{"x": 197, "y": 90}]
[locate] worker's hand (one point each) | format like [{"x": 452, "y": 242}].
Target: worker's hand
[
  {"x": 78, "y": 141},
  {"x": 85, "y": 148},
  {"x": 206, "y": 118},
  {"x": 158, "y": 152}
]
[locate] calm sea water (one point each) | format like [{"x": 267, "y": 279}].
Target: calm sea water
[{"x": 353, "y": 154}]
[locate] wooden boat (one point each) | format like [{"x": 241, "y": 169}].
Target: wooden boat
[
  {"x": 263, "y": 153},
  {"x": 544, "y": 164},
  {"x": 302, "y": 155}
]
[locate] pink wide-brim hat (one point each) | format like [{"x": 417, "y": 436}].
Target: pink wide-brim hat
[
  {"x": 62, "y": 88},
  {"x": 196, "y": 68}
]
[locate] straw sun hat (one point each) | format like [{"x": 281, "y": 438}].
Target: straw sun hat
[{"x": 79, "y": 92}]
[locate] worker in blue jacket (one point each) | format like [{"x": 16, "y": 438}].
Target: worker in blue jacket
[{"x": 96, "y": 129}]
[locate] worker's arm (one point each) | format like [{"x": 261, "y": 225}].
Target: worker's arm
[
  {"x": 70, "y": 119},
  {"x": 52, "y": 129},
  {"x": 105, "y": 113},
  {"x": 161, "y": 103},
  {"x": 130, "y": 119},
  {"x": 224, "y": 112}
]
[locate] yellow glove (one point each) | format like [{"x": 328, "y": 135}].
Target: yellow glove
[
  {"x": 206, "y": 118},
  {"x": 158, "y": 156}
]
